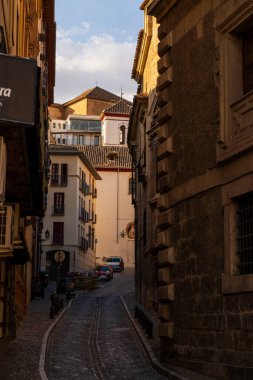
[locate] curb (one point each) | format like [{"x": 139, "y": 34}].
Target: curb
[
  {"x": 172, "y": 375},
  {"x": 45, "y": 341}
]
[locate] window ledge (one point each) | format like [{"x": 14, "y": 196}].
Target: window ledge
[{"x": 236, "y": 283}]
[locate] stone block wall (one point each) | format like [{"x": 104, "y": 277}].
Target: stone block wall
[{"x": 202, "y": 328}]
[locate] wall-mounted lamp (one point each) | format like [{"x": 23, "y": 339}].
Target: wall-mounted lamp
[
  {"x": 47, "y": 236},
  {"x": 123, "y": 234}
]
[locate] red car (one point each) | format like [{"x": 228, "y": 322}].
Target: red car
[{"x": 104, "y": 272}]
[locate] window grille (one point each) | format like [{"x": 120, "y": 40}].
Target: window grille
[{"x": 245, "y": 234}]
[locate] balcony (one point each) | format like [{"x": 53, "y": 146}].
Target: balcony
[
  {"x": 83, "y": 215},
  {"x": 58, "y": 210},
  {"x": 59, "y": 181},
  {"x": 83, "y": 187},
  {"x": 83, "y": 243}
]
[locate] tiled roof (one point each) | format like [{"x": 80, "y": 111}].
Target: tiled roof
[
  {"x": 121, "y": 107},
  {"x": 67, "y": 150},
  {"x": 95, "y": 93},
  {"x": 108, "y": 157}
]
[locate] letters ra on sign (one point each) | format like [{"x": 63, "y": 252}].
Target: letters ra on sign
[{"x": 18, "y": 89}]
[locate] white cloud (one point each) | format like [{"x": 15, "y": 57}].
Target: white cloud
[
  {"x": 100, "y": 58},
  {"x": 74, "y": 31}
]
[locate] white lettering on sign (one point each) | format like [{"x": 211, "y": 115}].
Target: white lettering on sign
[
  {"x": 1, "y": 104},
  {"x": 5, "y": 92}
]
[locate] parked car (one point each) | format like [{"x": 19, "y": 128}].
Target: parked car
[
  {"x": 104, "y": 272},
  {"x": 116, "y": 263}
]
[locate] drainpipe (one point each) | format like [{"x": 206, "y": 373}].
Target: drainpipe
[{"x": 117, "y": 229}]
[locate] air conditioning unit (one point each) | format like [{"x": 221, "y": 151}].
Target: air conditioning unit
[
  {"x": 6, "y": 231},
  {"x": 3, "y": 159}
]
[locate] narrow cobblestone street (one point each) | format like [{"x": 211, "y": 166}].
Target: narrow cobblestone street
[{"x": 95, "y": 338}]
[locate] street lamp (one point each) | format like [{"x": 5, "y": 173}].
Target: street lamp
[
  {"x": 47, "y": 235},
  {"x": 123, "y": 234}
]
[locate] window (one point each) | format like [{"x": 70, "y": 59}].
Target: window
[
  {"x": 85, "y": 125},
  {"x": 93, "y": 239},
  {"x": 248, "y": 61},
  {"x": 245, "y": 234},
  {"x": 54, "y": 174},
  {"x": 56, "y": 179},
  {"x": 58, "y": 233},
  {"x": 75, "y": 139},
  {"x": 235, "y": 80},
  {"x": 64, "y": 174},
  {"x": 64, "y": 126},
  {"x": 96, "y": 140},
  {"x": 237, "y": 200},
  {"x": 90, "y": 237},
  {"x": 122, "y": 136},
  {"x": 58, "y": 208},
  {"x": 54, "y": 125}
]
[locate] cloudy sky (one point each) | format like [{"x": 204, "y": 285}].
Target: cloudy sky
[{"x": 96, "y": 41}]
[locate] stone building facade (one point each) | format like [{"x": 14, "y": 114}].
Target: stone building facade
[
  {"x": 203, "y": 235},
  {"x": 142, "y": 141},
  {"x": 27, "y": 59}
]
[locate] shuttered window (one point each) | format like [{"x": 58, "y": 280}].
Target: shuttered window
[{"x": 58, "y": 233}]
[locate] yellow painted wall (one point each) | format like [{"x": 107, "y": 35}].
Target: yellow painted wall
[
  {"x": 79, "y": 107},
  {"x": 150, "y": 73}
]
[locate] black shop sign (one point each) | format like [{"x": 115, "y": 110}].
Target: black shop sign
[{"x": 18, "y": 81}]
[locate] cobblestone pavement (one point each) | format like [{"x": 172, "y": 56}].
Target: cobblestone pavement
[
  {"x": 95, "y": 339},
  {"x": 19, "y": 358}
]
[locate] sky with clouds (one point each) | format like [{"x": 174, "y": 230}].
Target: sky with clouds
[{"x": 96, "y": 41}]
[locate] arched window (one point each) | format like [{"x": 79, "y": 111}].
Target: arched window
[{"x": 122, "y": 136}]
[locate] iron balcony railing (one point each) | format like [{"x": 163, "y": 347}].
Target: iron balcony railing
[
  {"x": 83, "y": 243},
  {"x": 58, "y": 210},
  {"x": 61, "y": 180}
]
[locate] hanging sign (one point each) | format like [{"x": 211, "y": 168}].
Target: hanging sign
[
  {"x": 18, "y": 81},
  {"x": 59, "y": 256}
]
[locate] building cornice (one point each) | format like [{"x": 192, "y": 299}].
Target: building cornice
[
  {"x": 159, "y": 8},
  {"x": 140, "y": 103}
]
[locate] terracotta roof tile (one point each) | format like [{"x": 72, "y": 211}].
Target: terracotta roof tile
[
  {"x": 121, "y": 107},
  {"x": 95, "y": 93},
  {"x": 108, "y": 157},
  {"x": 68, "y": 150}
]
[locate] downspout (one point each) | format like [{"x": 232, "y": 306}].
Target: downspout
[{"x": 117, "y": 229}]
